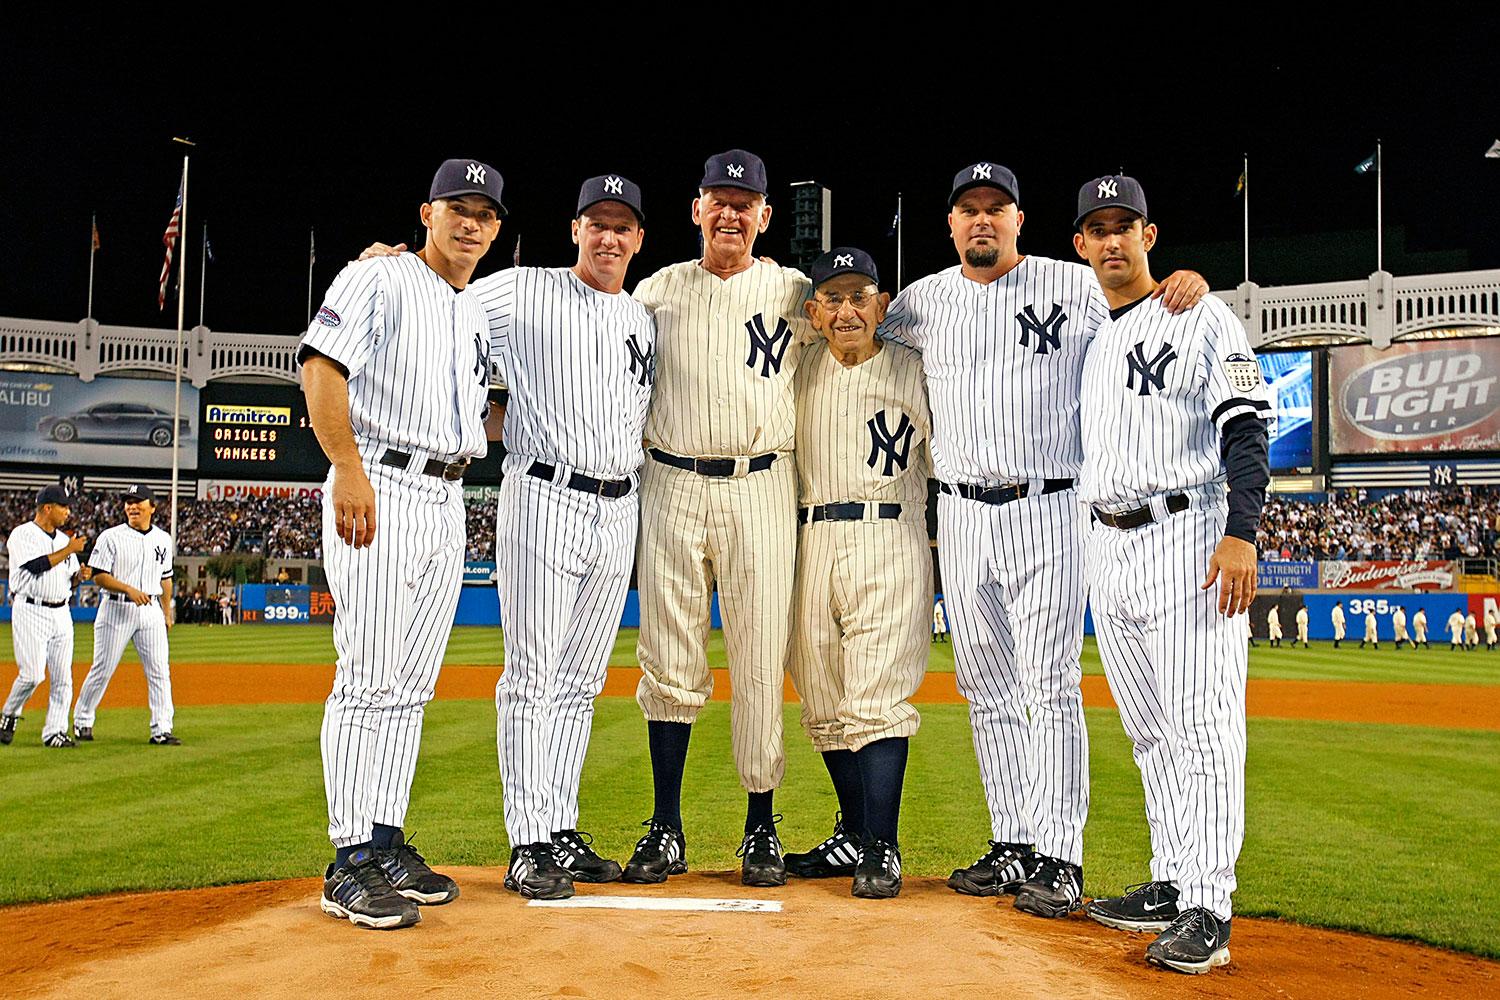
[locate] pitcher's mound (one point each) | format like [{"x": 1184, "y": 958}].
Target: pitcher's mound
[{"x": 270, "y": 939}]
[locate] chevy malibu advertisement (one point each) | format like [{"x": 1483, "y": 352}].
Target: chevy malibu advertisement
[{"x": 123, "y": 422}]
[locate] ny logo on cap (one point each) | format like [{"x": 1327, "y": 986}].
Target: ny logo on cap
[
  {"x": 475, "y": 174},
  {"x": 735, "y": 170},
  {"x": 981, "y": 171},
  {"x": 843, "y": 260},
  {"x": 1107, "y": 189},
  {"x": 613, "y": 186}
]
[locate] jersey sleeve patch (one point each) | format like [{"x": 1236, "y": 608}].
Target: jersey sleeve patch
[
  {"x": 328, "y": 317},
  {"x": 1243, "y": 372}
]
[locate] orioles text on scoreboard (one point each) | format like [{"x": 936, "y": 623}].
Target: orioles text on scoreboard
[{"x": 253, "y": 425}]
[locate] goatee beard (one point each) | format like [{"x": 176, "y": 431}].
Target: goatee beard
[{"x": 982, "y": 258}]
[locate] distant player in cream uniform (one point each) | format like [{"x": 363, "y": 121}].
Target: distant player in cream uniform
[
  {"x": 1398, "y": 626},
  {"x": 1371, "y": 635},
  {"x": 1419, "y": 627},
  {"x": 1456, "y": 629},
  {"x": 1491, "y": 624},
  {"x": 1273, "y": 625},
  {"x": 43, "y": 572},
  {"x": 1302, "y": 625},
  {"x": 1339, "y": 623},
  {"x": 132, "y": 564},
  {"x": 864, "y": 568},
  {"x": 719, "y": 510},
  {"x": 1471, "y": 631},
  {"x": 939, "y": 622}
]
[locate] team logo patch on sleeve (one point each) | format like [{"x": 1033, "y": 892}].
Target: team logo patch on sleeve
[
  {"x": 328, "y": 317},
  {"x": 1243, "y": 372}
]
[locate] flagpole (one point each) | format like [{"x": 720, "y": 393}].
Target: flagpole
[
  {"x": 203, "y": 273},
  {"x": 898, "y": 242},
  {"x": 311, "y": 256},
  {"x": 1245, "y": 174},
  {"x": 1379, "y": 214},
  {"x": 93, "y": 249},
  {"x": 177, "y": 388}
]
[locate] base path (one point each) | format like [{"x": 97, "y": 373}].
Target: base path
[
  {"x": 271, "y": 940},
  {"x": 1443, "y": 706}
]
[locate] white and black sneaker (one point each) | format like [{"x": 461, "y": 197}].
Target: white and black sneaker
[
  {"x": 1001, "y": 870},
  {"x": 535, "y": 874},
  {"x": 835, "y": 857},
  {"x": 410, "y": 875},
  {"x": 1055, "y": 889},
  {"x": 878, "y": 875},
  {"x": 359, "y": 892},
  {"x": 1149, "y": 906},
  {"x": 572, "y": 851},
  {"x": 8, "y": 728},
  {"x": 760, "y": 853},
  {"x": 59, "y": 740},
  {"x": 661, "y": 852},
  {"x": 83, "y": 734},
  {"x": 1196, "y": 942}
]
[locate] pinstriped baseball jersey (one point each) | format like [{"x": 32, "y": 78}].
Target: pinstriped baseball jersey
[
  {"x": 862, "y": 431},
  {"x": 577, "y": 362},
  {"x": 1004, "y": 362},
  {"x": 413, "y": 346},
  {"x": 726, "y": 352},
  {"x": 1160, "y": 389},
  {"x": 142, "y": 559},
  {"x": 27, "y": 542}
]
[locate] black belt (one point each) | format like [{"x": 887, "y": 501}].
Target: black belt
[
  {"x": 1126, "y": 520},
  {"x": 1003, "y": 494},
  {"x": 847, "y": 512},
  {"x": 435, "y": 467},
  {"x": 612, "y": 489},
  {"x": 45, "y": 604},
  {"x": 718, "y": 467}
]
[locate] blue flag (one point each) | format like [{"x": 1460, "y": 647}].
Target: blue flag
[{"x": 1367, "y": 165}]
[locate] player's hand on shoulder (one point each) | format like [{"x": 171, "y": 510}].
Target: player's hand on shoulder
[
  {"x": 353, "y": 505},
  {"x": 1233, "y": 565},
  {"x": 1181, "y": 291},
  {"x": 382, "y": 250}
]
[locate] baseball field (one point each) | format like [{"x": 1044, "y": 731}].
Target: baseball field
[{"x": 1373, "y": 807}]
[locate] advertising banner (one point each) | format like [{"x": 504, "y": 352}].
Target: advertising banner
[
  {"x": 1426, "y": 397},
  {"x": 1297, "y": 575},
  {"x": 1356, "y": 605},
  {"x": 1417, "y": 574},
  {"x": 58, "y": 420},
  {"x": 476, "y": 572},
  {"x": 243, "y": 489}
]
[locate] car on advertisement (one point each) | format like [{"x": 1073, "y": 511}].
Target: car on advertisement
[{"x": 122, "y": 423}]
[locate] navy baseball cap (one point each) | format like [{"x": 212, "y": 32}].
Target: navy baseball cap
[
  {"x": 1110, "y": 191},
  {"x": 611, "y": 187},
  {"x": 734, "y": 169},
  {"x": 985, "y": 174},
  {"x": 459, "y": 177},
  {"x": 138, "y": 493},
  {"x": 53, "y": 494},
  {"x": 843, "y": 260}
]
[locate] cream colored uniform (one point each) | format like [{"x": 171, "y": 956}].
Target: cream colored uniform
[
  {"x": 1302, "y": 625},
  {"x": 1371, "y": 635},
  {"x": 1456, "y": 627},
  {"x": 1273, "y": 623},
  {"x": 1398, "y": 625},
  {"x": 864, "y": 585},
  {"x": 1338, "y": 623},
  {"x": 1419, "y": 626},
  {"x": 1471, "y": 630},
  {"x": 1491, "y": 623},
  {"x": 726, "y": 353}
]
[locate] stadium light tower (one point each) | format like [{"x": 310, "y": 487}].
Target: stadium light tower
[{"x": 812, "y": 222}]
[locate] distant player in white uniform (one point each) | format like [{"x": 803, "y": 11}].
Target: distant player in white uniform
[
  {"x": 1456, "y": 629},
  {"x": 43, "y": 573},
  {"x": 939, "y": 622},
  {"x": 1173, "y": 411},
  {"x": 1339, "y": 623},
  {"x": 574, "y": 351},
  {"x": 132, "y": 564},
  {"x": 1372, "y": 636},
  {"x": 1491, "y": 624},
  {"x": 1273, "y": 625},
  {"x": 719, "y": 510},
  {"x": 1419, "y": 627},
  {"x": 396, "y": 371},
  {"x": 864, "y": 567},
  {"x": 1302, "y": 625},
  {"x": 1398, "y": 626},
  {"x": 1471, "y": 631},
  {"x": 1002, "y": 338}
]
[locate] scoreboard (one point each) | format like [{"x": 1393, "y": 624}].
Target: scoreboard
[{"x": 257, "y": 432}]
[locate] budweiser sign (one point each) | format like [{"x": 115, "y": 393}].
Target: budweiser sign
[{"x": 1418, "y": 574}]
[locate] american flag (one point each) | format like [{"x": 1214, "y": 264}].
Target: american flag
[{"x": 169, "y": 240}]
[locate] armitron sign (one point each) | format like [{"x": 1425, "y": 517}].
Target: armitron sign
[{"x": 1388, "y": 575}]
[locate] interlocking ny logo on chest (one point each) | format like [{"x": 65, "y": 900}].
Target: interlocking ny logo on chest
[
  {"x": 893, "y": 446},
  {"x": 1045, "y": 333},
  {"x": 640, "y": 360},
  {"x": 1151, "y": 372},
  {"x": 767, "y": 349}
]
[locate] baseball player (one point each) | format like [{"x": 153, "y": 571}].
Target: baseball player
[
  {"x": 1471, "y": 632},
  {"x": 864, "y": 568},
  {"x": 1419, "y": 627},
  {"x": 719, "y": 509},
  {"x": 1491, "y": 624},
  {"x": 43, "y": 573},
  {"x": 132, "y": 564},
  {"x": 1273, "y": 625},
  {"x": 1302, "y": 625},
  {"x": 1160, "y": 520},
  {"x": 1371, "y": 636},
  {"x": 396, "y": 371},
  {"x": 1338, "y": 623},
  {"x": 1398, "y": 626},
  {"x": 1456, "y": 629},
  {"x": 939, "y": 622},
  {"x": 1002, "y": 338}
]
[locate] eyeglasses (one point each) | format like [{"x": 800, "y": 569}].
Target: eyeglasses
[{"x": 834, "y": 301}]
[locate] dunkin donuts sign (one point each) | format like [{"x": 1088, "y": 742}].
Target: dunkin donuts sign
[{"x": 1434, "y": 396}]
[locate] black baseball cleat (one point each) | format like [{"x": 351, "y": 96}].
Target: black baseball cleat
[
  {"x": 661, "y": 852},
  {"x": 535, "y": 874},
  {"x": 83, "y": 734},
  {"x": 571, "y": 851},
  {"x": 408, "y": 873},
  {"x": 835, "y": 857},
  {"x": 8, "y": 728},
  {"x": 878, "y": 874},
  {"x": 358, "y": 891},
  {"x": 1149, "y": 906},
  {"x": 1003, "y": 869},
  {"x": 1195, "y": 942},
  {"x": 59, "y": 740},
  {"x": 1054, "y": 889},
  {"x": 762, "y": 864},
  {"x": 164, "y": 740}
]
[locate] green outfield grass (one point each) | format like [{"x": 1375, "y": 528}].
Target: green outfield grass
[
  {"x": 482, "y": 645},
  {"x": 1386, "y": 829}
]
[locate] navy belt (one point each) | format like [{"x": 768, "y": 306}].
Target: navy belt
[
  {"x": 1129, "y": 519},
  {"x": 45, "y": 604},
  {"x": 450, "y": 471},
  {"x": 1003, "y": 494},
  {"x": 847, "y": 512},
  {"x": 611, "y": 489},
  {"x": 718, "y": 467}
]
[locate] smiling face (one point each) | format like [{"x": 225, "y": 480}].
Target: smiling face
[
  {"x": 1115, "y": 242},
  {"x": 730, "y": 219},
  {"x": 461, "y": 229},
  {"x": 985, "y": 224},
  {"x": 846, "y": 310},
  {"x": 138, "y": 513},
  {"x": 608, "y": 234}
]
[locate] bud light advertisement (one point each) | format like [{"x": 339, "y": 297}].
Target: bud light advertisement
[{"x": 1433, "y": 396}]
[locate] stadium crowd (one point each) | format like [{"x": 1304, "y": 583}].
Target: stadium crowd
[{"x": 1457, "y": 523}]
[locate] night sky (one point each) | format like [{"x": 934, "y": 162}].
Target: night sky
[{"x": 321, "y": 131}]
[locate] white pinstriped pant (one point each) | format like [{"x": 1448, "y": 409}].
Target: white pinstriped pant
[
  {"x": 1176, "y": 667},
  {"x": 393, "y": 611},
  {"x": 1013, "y": 586},
  {"x": 562, "y": 562},
  {"x": 118, "y": 623},
  {"x": 43, "y": 640}
]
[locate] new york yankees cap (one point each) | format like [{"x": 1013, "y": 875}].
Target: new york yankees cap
[
  {"x": 138, "y": 493},
  {"x": 985, "y": 174},
  {"x": 1110, "y": 191},
  {"x": 459, "y": 177},
  {"x": 55, "y": 493},
  {"x": 734, "y": 169},
  {"x": 843, "y": 260},
  {"x": 611, "y": 187}
]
